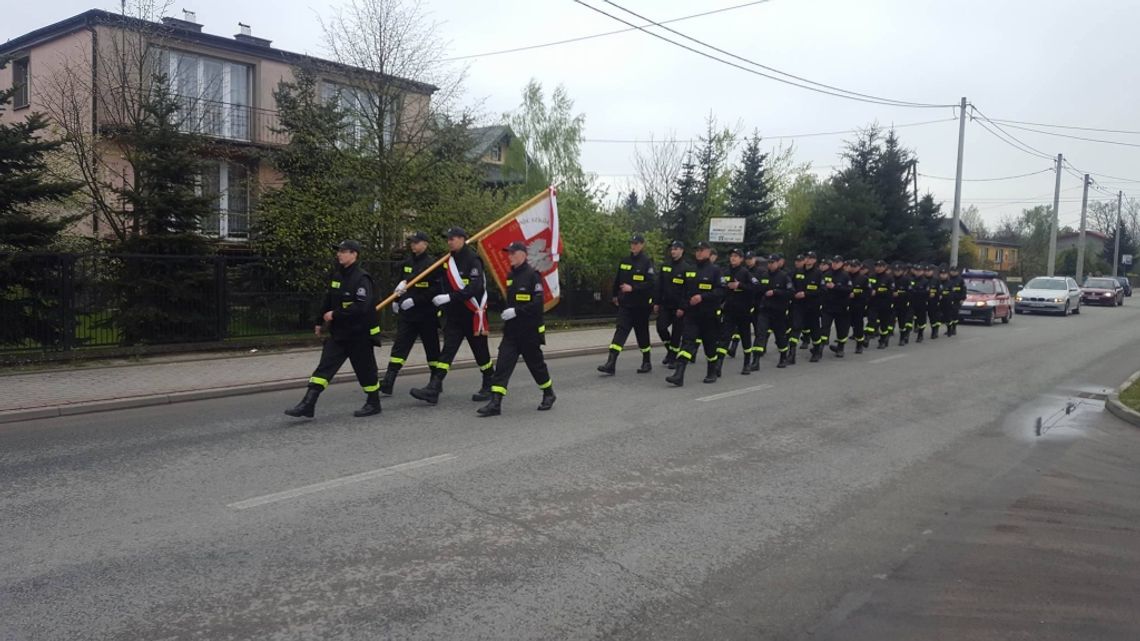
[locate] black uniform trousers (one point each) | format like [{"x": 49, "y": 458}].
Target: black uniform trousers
[
  {"x": 759, "y": 330},
  {"x": 949, "y": 308},
  {"x": 703, "y": 329},
  {"x": 934, "y": 307},
  {"x": 856, "y": 315},
  {"x": 879, "y": 320},
  {"x": 457, "y": 329},
  {"x": 903, "y": 315},
  {"x": 407, "y": 331},
  {"x": 670, "y": 328},
  {"x": 919, "y": 307},
  {"x": 357, "y": 351},
  {"x": 805, "y": 322},
  {"x": 774, "y": 322},
  {"x": 737, "y": 324},
  {"x": 635, "y": 319},
  {"x": 842, "y": 321},
  {"x": 510, "y": 348}
]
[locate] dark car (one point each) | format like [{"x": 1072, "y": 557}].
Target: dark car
[
  {"x": 1102, "y": 291},
  {"x": 1126, "y": 284}
]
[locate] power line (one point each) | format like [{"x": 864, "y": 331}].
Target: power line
[
  {"x": 1070, "y": 136},
  {"x": 905, "y": 103},
  {"x": 783, "y": 137},
  {"x": 487, "y": 54},
  {"x": 746, "y": 69},
  {"x": 1043, "y": 124},
  {"x": 983, "y": 180},
  {"x": 1016, "y": 142}
]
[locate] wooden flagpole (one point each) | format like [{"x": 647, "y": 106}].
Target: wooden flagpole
[{"x": 481, "y": 234}]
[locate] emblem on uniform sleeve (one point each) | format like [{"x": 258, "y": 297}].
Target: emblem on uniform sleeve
[{"x": 361, "y": 292}]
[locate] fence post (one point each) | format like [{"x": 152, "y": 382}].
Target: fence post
[
  {"x": 67, "y": 301},
  {"x": 222, "y": 326}
]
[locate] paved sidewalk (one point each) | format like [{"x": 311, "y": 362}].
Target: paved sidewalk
[{"x": 77, "y": 391}]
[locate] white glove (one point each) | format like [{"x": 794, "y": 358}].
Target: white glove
[
  {"x": 401, "y": 288},
  {"x": 407, "y": 304},
  {"x": 509, "y": 313},
  {"x": 395, "y": 307},
  {"x": 440, "y": 300}
]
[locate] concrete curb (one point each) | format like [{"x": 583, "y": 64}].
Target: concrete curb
[
  {"x": 1120, "y": 410},
  {"x": 74, "y": 409}
]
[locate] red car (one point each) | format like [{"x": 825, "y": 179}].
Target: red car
[
  {"x": 1102, "y": 291},
  {"x": 987, "y": 298}
]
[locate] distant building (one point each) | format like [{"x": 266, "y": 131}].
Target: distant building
[
  {"x": 997, "y": 255},
  {"x": 1094, "y": 242},
  {"x": 491, "y": 147}
]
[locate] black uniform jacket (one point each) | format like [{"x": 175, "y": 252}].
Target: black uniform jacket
[
  {"x": 704, "y": 279},
  {"x": 524, "y": 295},
  {"x": 637, "y": 272},
  {"x": 671, "y": 283},
  {"x": 351, "y": 299},
  {"x": 836, "y": 298}
]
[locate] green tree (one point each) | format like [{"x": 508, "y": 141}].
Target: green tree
[
  {"x": 846, "y": 219},
  {"x": 799, "y": 202},
  {"x": 551, "y": 136},
  {"x": 713, "y": 173},
  {"x": 749, "y": 197},
  {"x": 683, "y": 221}
]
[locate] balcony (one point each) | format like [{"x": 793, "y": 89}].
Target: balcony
[{"x": 231, "y": 122}]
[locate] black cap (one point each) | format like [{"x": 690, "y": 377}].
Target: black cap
[
  {"x": 347, "y": 245},
  {"x": 455, "y": 231},
  {"x": 517, "y": 246},
  {"x": 678, "y": 244},
  {"x": 868, "y": 264},
  {"x": 417, "y": 236},
  {"x": 811, "y": 255},
  {"x": 776, "y": 256},
  {"x": 800, "y": 256},
  {"x": 749, "y": 254},
  {"x": 837, "y": 259},
  {"x": 736, "y": 250},
  {"x": 954, "y": 268},
  {"x": 637, "y": 238},
  {"x": 880, "y": 263},
  {"x": 704, "y": 244}
]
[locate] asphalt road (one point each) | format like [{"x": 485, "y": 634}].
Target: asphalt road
[{"x": 854, "y": 499}]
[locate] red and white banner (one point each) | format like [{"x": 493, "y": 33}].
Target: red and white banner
[
  {"x": 478, "y": 307},
  {"x": 537, "y": 228}
]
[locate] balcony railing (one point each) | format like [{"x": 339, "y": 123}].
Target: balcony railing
[{"x": 228, "y": 121}]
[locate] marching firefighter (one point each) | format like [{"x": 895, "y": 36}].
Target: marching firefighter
[
  {"x": 937, "y": 285},
  {"x": 670, "y": 289},
  {"x": 523, "y": 333},
  {"x": 806, "y": 307},
  {"x": 774, "y": 308},
  {"x": 758, "y": 265},
  {"x": 738, "y": 303},
  {"x": 882, "y": 297},
  {"x": 956, "y": 289},
  {"x": 836, "y": 300},
  {"x": 860, "y": 296},
  {"x": 918, "y": 301},
  {"x": 903, "y": 314},
  {"x": 416, "y": 317},
  {"x": 349, "y": 308},
  {"x": 633, "y": 296},
  {"x": 464, "y": 299},
  {"x": 704, "y": 290}
]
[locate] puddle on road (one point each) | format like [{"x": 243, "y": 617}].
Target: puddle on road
[{"x": 1065, "y": 414}]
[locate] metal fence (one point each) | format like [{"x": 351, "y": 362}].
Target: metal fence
[{"x": 64, "y": 302}]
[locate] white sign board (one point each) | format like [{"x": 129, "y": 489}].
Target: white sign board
[
  {"x": 1126, "y": 259},
  {"x": 726, "y": 230}
]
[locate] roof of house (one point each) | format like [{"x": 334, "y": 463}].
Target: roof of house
[
  {"x": 995, "y": 243},
  {"x": 249, "y": 46},
  {"x": 1089, "y": 233},
  {"x": 948, "y": 221},
  {"x": 483, "y": 137}
]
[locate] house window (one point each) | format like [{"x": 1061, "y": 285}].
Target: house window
[
  {"x": 227, "y": 184},
  {"x": 214, "y": 94},
  {"x": 982, "y": 253},
  {"x": 495, "y": 153},
  {"x": 364, "y": 113},
  {"x": 999, "y": 255},
  {"x": 21, "y": 82}
]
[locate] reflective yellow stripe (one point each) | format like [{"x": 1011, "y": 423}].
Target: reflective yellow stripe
[
  {"x": 335, "y": 284},
  {"x": 547, "y": 384},
  {"x": 800, "y": 276},
  {"x": 433, "y": 363},
  {"x": 499, "y": 389},
  {"x": 483, "y": 368},
  {"x": 466, "y": 281},
  {"x": 423, "y": 283},
  {"x": 721, "y": 350},
  {"x": 317, "y": 380},
  {"x": 510, "y": 281},
  {"x": 626, "y": 266},
  {"x": 371, "y": 388},
  {"x": 678, "y": 281},
  {"x": 615, "y": 347},
  {"x": 812, "y": 287},
  {"x": 705, "y": 286},
  {"x": 666, "y": 269},
  {"x": 345, "y": 305},
  {"x": 685, "y": 355},
  {"x": 407, "y": 270},
  {"x": 638, "y": 277},
  {"x": 645, "y": 350},
  {"x": 690, "y": 274},
  {"x": 443, "y": 366},
  {"x": 374, "y": 331},
  {"x": 542, "y": 329},
  {"x": 525, "y": 298},
  {"x": 398, "y": 361}
]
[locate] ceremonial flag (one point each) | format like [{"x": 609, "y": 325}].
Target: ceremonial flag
[{"x": 536, "y": 226}]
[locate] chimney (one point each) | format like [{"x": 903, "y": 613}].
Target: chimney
[
  {"x": 246, "y": 35},
  {"x": 188, "y": 22}
]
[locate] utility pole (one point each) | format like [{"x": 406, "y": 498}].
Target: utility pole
[
  {"x": 958, "y": 186},
  {"x": 914, "y": 175},
  {"x": 1056, "y": 210},
  {"x": 1081, "y": 237},
  {"x": 1119, "y": 224}
]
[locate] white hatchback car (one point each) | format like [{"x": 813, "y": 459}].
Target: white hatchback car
[{"x": 1054, "y": 294}]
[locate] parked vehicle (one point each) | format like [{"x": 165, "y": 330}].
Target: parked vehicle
[
  {"x": 987, "y": 298},
  {"x": 1050, "y": 294},
  {"x": 1102, "y": 291},
  {"x": 1126, "y": 284}
]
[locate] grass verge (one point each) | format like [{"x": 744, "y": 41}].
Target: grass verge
[{"x": 1131, "y": 396}]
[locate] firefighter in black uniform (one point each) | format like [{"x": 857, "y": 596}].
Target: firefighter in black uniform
[
  {"x": 704, "y": 290},
  {"x": 956, "y": 288},
  {"x": 806, "y": 308},
  {"x": 918, "y": 296},
  {"x": 349, "y": 307},
  {"x": 738, "y": 303},
  {"x": 860, "y": 296},
  {"x": 670, "y": 289},
  {"x": 903, "y": 317},
  {"x": 523, "y": 333},
  {"x": 469, "y": 288},
  {"x": 758, "y": 265},
  {"x": 882, "y": 298},
  {"x": 931, "y": 276},
  {"x": 633, "y": 296},
  {"x": 416, "y": 317},
  {"x": 776, "y": 295},
  {"x": 937, "y": 293},
  {"x": 836, "y": 301}
]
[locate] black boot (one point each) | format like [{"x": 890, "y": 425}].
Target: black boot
[
  {"x": 494, "y": 407},
  {"x": 389, "y": 382},
  {"x": 816, "y": 353},
  {"x": 484, "y": 393},
  {"x": 710, "y": 373},
  {"x": 834, "y": 348},
  {"x": 882, "y": 341},
  {"x": 839, "y": 350},
  {"x": 307, "y": 405},
  {"x": 755, "y": 366},
  {"x": 747, "y": 367},
  {"x": 646, "y": 364},
  {"x": 858, "y": 347},
  {"x": 611, "y": 362},
  {"x": 804, "y": 343},
  {"x": 919, "y": 335},
  {"x": 783, "y": 360},
  {"x": 670, "y": 357},
  {"x": 953, "y": 331},
  {"x": 934, "y": 333},
  {"x": 371, "y": 406},
  {"x": 732, "y": 347},
  {"x": 791, "y": 353},
  {"x": 548, "y": 399},
  {"x": 678, "y": 377},
  {"x": 430, "y": 394},
  {"x": 719, "y": 365}
]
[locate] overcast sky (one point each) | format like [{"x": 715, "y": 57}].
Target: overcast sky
[{"x": 1046, "y": 61}]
